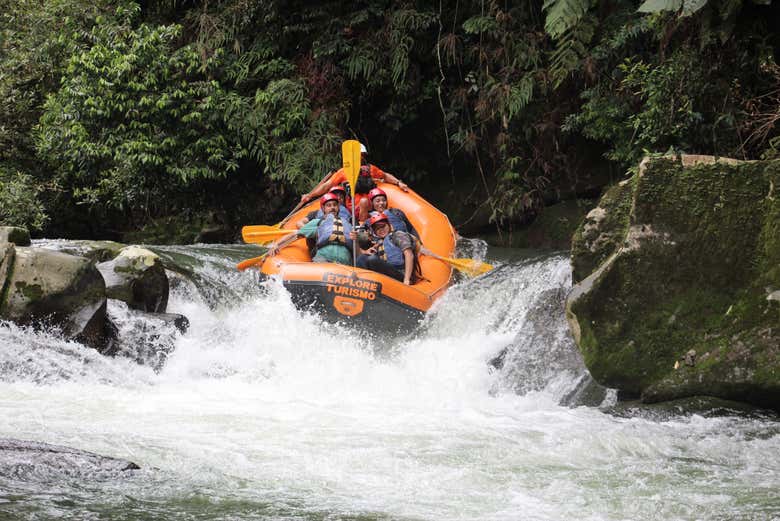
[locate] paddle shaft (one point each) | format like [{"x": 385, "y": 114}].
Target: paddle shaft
[
  {"x": 241, "y": 266},
  {"x": 300, "y": 204},
  {"x": 350, "y": 161}
]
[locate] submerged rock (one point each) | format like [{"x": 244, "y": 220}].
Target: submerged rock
[
  {"x": 43, "y": 286},
  {"x": 671, "y": 271},
  {"x": 146, "y": 338},
  {"x": 33, "y": 461},
  {"x": 137, "y": 277}
]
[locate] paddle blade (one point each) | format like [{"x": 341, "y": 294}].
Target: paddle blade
[
  {"x": 241, "y": 266},
  {"x": 471, "y": 267},
  {"x": 261, "y": 234},
  {"x": 350, "y": 160}
]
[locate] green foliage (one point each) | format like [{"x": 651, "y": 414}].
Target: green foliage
[
  {"x": 684, "y": 7},
  {"x": 135, "y": 114},
  {"x": 563, "y": 15},
  {"x": 36, "y": 41},
  {"x": 146, "y": 109},
  {"x": 19, "y": 201}
]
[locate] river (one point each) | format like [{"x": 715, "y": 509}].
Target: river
[{"x": 263, "y": 412}]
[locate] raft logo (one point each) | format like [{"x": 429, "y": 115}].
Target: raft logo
[{"x": 347, "y": 286}]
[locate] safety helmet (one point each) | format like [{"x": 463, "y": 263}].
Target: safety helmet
[
  {"x": 376, "y": 218},
  {"x": 376, "y": 191},
  {"x": 328, "y": 197},
  {"x": 363, "y": 149},
  {"x": 338, "y": 188}
]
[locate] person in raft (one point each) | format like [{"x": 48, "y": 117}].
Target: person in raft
[
  {"x": 369, "y": 174},
  {"x": 393, "y": 252},
  {"x": 318, "y": 214},
  {"x": 396, "y": 216},
  {"x": 332, "y": 233}
]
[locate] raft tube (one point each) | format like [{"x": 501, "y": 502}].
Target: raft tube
[{"x": 364, "y": 298}]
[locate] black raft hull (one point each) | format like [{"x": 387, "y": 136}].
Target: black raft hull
[{"x": 377, "y": 313}]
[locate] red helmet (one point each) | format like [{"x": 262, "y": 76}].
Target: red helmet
[
  {"x": 377, "y": 217},
  {"x": 338, "y": 188},
  {"x": 328, "y": 197},
  {"x": 376, "y": 191}
]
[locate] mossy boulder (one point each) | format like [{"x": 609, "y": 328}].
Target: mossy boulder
[
  {"x": 677, "y": 272},
  {"x": 14, "y": 234},
  {"x": 44, "y": 286},
  {"x": 137, "y": 276}
]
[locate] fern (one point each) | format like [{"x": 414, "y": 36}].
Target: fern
[
  {"x": 684, "y": 7},
  {"x": 480, "y": 24},
  {"x": 403, "y": 25},
  {"x": 520, "y": 95},
  {"x": 570, "y": 50},
  {"x": 360, "y": 65},
  {"x": 563, "y": 15}
]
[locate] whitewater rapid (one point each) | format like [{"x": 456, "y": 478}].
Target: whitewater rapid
[{"x": 261, "y": 411}]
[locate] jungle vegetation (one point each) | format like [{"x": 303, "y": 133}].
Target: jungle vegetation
[{"x": 119, "y": 114}]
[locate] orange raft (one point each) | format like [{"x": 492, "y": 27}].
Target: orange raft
[{"x": 362, "y": 297}]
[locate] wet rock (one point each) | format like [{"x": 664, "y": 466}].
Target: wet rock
[
  {"x": 7, "y": 255},
  {"x": 97, "y": 251},
  {"x": 41, "y": 462},
  {"x": 602, "y": 230},
  {"x": 14, "y": 234},
  {"x": 49, "y": 287},
  {"x": 146, "y": 338},
  {"x": 137, "y": 276},
  {"x": 679, "y": 263}
]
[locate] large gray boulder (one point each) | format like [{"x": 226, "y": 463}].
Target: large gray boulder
[
  {"x": 137, "y": 276},
  {"x": 43, "y": 286},
  {"x": 677, "y": 273}
]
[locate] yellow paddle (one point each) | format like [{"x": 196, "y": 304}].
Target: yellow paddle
[
  {"x": 277, "y": 226},
  {"x": 261, "y": 233},
  {"x": 286, "y": 241},
  {"x": 350, "y": 161},
  {"x": 470, "y": 267}
]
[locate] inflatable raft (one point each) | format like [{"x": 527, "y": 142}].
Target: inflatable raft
[{"x": 362, "y": 297}]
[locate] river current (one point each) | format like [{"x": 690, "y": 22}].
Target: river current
[{"x": 261, "y": 411}]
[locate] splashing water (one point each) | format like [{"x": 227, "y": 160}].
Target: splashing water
[{"x": 264, "y": 412}]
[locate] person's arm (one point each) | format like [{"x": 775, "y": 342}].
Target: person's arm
[
  {"x": 408, "y": 266},
  {"x": 309, "y": 230},
  {"x": 275, "y": 247},
  {"x": 393, "y": 180},
  {"x": 317, "y": 191},
  {"x": 386, "y": 177}
]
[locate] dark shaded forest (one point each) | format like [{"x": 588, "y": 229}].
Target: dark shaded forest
[{"x": 145, "y": 119}]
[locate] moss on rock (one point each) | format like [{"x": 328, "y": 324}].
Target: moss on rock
[
  {"x": 602, "y": 230},
  {"x": 685, "y": 261}
]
